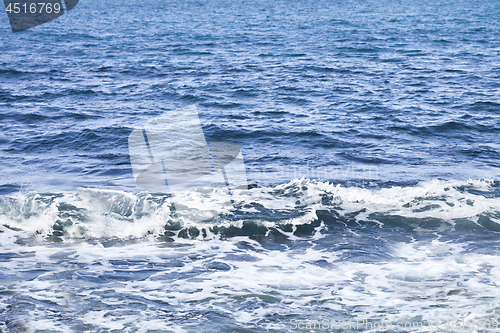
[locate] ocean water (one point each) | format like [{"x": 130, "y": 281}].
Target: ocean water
[{"x": 370, "y": 130}]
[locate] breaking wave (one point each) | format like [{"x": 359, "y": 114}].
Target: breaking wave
[{"x": 94, "y": 213}]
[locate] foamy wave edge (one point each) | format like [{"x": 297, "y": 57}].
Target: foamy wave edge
[{"x": 99, "y": 213}]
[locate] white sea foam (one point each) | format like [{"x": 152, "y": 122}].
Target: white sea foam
[
  {"x": 136, "y": 285},
  {"x": 104, "y": 213},
  {"x": 247, "y": 284}
]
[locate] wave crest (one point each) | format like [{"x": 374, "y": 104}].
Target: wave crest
[{"x": 98, "y": 213}]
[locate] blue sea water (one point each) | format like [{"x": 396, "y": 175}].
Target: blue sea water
[{"x": 370, "y": 127}]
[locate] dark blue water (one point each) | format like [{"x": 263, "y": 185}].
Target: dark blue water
[{"x": 371, "y": 128}]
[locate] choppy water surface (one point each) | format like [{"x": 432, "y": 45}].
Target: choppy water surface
[{"x": 370, "y": 127}]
